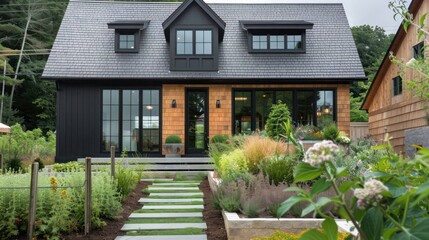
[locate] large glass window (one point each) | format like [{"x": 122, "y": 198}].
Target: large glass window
[
  {"x": 184, "y": 42},
  {"x": 263, "y": 103},
  {"x": 306, "y": 107},
  {"x": 203, "y": 42},
  {"x": 110, "y": 132},
  {"x": 132, "y": 124},
  {"x": 325, "y": 108},
  {"x": 151, "y": 124},
  {"x": 243, "y": 112},
  {"x": 130, "y": 120}
]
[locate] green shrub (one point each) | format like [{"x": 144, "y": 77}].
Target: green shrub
[
  {"x": 126, "y": 180},
  {"x": 272, "y": 209},
  {"x": 173, "y": 139},
  {"x": 72, "y": 166},
  {"x": 230, "y": 203},
  {"x": 216, "y": 150},
  {"x": 330, "y": 132},
  {"x": 13, "y": 164},
  {"x": 279, "y": 169},
  {"x": 275, "y": 124},
  {"x": 220, "y": 138},
  {"x": 250, "y": 209},
  {"x": 232, "y": 164}
]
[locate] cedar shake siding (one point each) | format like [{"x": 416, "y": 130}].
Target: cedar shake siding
[
  {"x": 120, "y": 66},
  {"x": 390, "y": 113}
]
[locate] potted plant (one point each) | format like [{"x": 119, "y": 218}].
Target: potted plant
[{"x": 173, "y": 146}]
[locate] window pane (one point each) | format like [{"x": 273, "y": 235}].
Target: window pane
[
  {"x": 150, "y": 141},
  {"x": 110, "y": 112},
  {"x": 199, "y": 48},
  {"x": 264, "y": 101},
  {"x": 207, "y": 48},
  {"x": 188, "y": 48},
  {"x": 287, "y": 98},
  {"x": 259, "y": 42},
  {"x": 199, "y": 36},
  {"x": 203, "y": 43},
  {"x": 188, "y": 36},
  {"x": 325, "y": 108},
  {"x": 277, "y": 42},
  {"x": 114, "y": 99},
  {"x": 126, "y": 97},
  {"x": 294, "y": 42},
  {"x": 181, "y": 36},
  {"x": 180, "y": 48},
  {"x": 208, "y": 36},
  {"x": 304, "y": 111},
  {"x": 242, "y": 112},
  {"x": 263, "y": 45}
]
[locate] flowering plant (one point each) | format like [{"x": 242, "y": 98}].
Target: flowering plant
[
  {"x": 343, "y": 140},
  {"x": 380, "y": 205}
]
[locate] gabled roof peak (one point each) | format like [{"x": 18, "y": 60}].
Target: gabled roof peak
[{"x": 219, "y": 22}]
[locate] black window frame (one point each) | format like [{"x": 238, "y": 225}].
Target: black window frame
[
  {"x": 418, "y": 51},
  {"x": 277, "y": 33},
  {"x": 119, "y": 149},
  {"x": 194, "y": 42},
  {"x": 294, "y": 103},
  {"x": 396, "y": 86},
  {"x": 135, "y": 32}
]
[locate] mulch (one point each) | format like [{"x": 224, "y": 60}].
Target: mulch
[{"x": 212, "y": 217}]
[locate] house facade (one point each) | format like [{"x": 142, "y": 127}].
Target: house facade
[
  {"x": 130, "y": 74},
  {"x": 392, "y": 108}
]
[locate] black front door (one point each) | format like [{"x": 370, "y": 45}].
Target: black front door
[{"x": 196, "y": 121}]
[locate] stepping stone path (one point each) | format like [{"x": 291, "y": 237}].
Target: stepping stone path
[{"x": 172, "y": 206}]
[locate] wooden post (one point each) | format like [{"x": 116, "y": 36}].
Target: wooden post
[
  {"x": 1, "y": 162},
  {"x": 112, "y": 161},
  {"x": 33, "y": 199},
  {"x": 88, "y": 190}
]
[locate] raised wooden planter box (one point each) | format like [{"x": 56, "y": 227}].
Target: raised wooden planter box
[{"x": 246, "y": 228}]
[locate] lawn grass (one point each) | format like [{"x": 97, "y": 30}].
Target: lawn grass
[
  {"x": 173, "y": 204},
  {"x": 168, "y": 210},
  {"x": 172, "y": 181},
  {"x": 167, "y": 220},
  {"x": 178, "y": 185},
  {"x": 183, "y": 231}
]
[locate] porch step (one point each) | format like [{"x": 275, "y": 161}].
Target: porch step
[
  {"x": 166, "y": 215},
  {"x": 162, "y": 184},
  {"x": 177, "y": 194},
  {"x": 170, "y": 207},
  {"x": 155, "y": 179},
  {"x": 171, "y": 200},
  {"x": 161, "y": 226},
  {"x": 173, "y": 189},
  {"x": 168, "y": 237},
  {"x": 132, "y": 161}
]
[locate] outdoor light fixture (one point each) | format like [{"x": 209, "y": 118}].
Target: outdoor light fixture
[
  {"x": 218, "y": 103},
  {"x": 173, "y": 103}
]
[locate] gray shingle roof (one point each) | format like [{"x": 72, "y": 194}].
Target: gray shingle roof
[{"x": 84, "y": 47}]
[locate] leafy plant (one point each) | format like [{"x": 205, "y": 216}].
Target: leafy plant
[
  {"x": 173, "y": 139},
  {"x": 388, "y": 205},
  {"x": 232, "y": 164},
  {"x": 220, "y": 138},
  {"x": 230, "y": 203},
  {"x": 279, "y": 169},
  {"x": 126, "y": 180},
  {"x": 251, "y": 209},
  {"x": 41, "y": 164},
  {"x": 72, "y": 166},
  {"x": 278, "y": 116},
  {"x": 330, "y": 132},
  {"x": 14, "y": 164},
  {"x": 257, "y": 149}
]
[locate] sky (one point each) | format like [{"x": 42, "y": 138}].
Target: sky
[{"x": 359, "y": 12}]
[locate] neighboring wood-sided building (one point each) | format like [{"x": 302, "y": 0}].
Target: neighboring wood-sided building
[
  {"x": 392, "y": 108},
  {"x": 129, "y": 74}
]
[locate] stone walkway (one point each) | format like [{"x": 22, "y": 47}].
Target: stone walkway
[{"x": 172, "y": 211}]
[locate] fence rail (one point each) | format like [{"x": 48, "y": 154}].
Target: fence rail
[{"x": 359, "y": 130}]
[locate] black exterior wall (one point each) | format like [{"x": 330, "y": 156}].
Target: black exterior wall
[{"x": 78, "y": 121}]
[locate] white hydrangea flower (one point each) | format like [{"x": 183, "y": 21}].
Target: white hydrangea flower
[
  {"x": 344, "y": 139},
  {"x": 370, "y": 194},
  {"x": 320, "y": 153}
]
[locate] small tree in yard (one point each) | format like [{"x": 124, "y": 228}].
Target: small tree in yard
[{"x": 278, "y": 116}]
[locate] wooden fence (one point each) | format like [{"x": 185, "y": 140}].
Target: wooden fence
[{"x": 359, "y": 130}]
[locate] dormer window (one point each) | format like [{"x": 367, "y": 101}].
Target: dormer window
[
  {"x": 276, "y": 36},
  {"x": 418, "y": 51},
  {"x": 127, "y": 35},
  {"x": 194, "y": 32}
]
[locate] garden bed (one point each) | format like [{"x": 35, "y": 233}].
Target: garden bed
[{"x": 240, "y": 228}]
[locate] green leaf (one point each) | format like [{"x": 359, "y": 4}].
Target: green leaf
[
  {"x": 419, "y": 232},
  {"x": 310, "y": 208},
  {"x": 305, "y": 172},
  {"x": 288, "y": 204},
  {"x": 313, "y": 234},
  {"x": 296, "y": 189},
  {"x": 373, "y": 224},
  {"x": 320, "y": 186},
  {"x": 422, "y": 20},
  {"x": 377, "y": 174},
  {"x": 344, "y": 187},
  {"x": 322, "y": 201},
  {"x": 330, "y": 229},
  {"x": 341, "y": 172},
  {"x": 388, "y": 233},
  {"x": 379, "y": 147}
]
